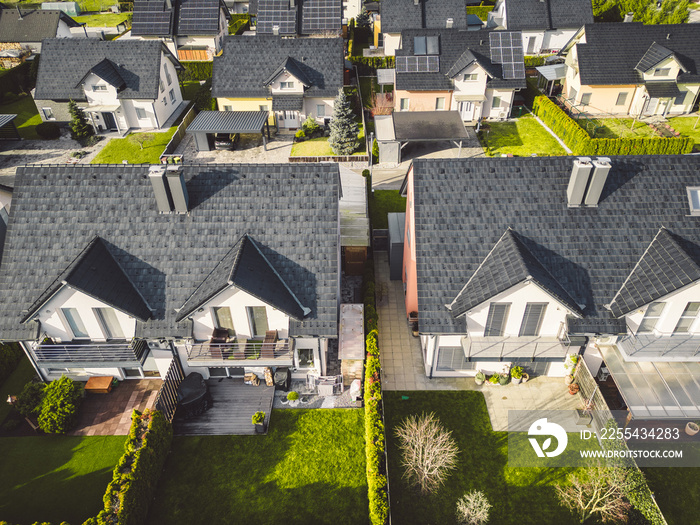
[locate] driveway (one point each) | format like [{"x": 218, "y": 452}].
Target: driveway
[{"x": 248, "y": 150}]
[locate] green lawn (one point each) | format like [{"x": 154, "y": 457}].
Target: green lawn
[
  {"x": 677, "y": 491},
  {"x": 55, "y": 478},
  {"x": 319, "y": 146},
  {"x": 521, "y": 138},
  {"x": 117, "y": 150},
  {"x": 684, "y": 125},
  {"x": 27, "y": 116},
  {"x": 102, "y": 19},
  {"x": 14, "y": 384},
  {"x": 382, "y": 202},
  {"x": 91, "y": 6},
  {"x": 616, "y": 128},
  {"x": 520, "y": 496},
  {"x": 309, "y": 468}
]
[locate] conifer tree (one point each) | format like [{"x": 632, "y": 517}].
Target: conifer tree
[
  {"x": 80, "y": 129},
  {"x": 344, "y": 129}
]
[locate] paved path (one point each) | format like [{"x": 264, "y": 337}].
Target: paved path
[
  {"x": 248, "y": 150},
  {"x": 403, "y": 369}
]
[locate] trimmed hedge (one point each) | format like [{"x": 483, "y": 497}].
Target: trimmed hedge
[
  {"x": 135, "y": 477},
  {"x": 59, "y": 408},
  {"x": 48, "y": 130},
  {"x": 368, "y": 65},
  {"x": 581, "y": 143},
  {"x": 482, "y": 11},
  {"x": 17, "y": 80},
  {"x": 195, "y": 71},
  {"x": 534, "y": 61},
  {"x": 10, "y": 356}
]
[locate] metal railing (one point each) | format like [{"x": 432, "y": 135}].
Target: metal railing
[
  {"x": 253, "y": 350},
  {"x": 93, "y": 352},
  {"x": 166, "y": 401}
]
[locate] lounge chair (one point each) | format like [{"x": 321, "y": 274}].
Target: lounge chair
[{"x": 268, "y": 347}]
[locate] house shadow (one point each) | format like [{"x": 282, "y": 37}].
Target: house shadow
[
  {"x": 622, "y": 171},
  {"x": 301, "y": 281},
  {"x": 506, "y": 137},
  {"x": 208, "y": 181}
]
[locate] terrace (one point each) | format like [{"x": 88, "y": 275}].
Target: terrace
[{"x": 240, "y": 353}]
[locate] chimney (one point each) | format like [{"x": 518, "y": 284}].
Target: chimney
[
  {"x": 178, "y": 190},
  {"x": 449, "y": 23},
  {"x": 163, "y": 200},
  {"x": 579, "y": 181},
  {"x": 629, "y": 17},
  {"x": 292, "y": 4},
  {"x": 276, "y": 30},
  {"x": 601, "y": 168}
]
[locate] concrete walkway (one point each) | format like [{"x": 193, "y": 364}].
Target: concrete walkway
[{"x": 403, "y": 369}]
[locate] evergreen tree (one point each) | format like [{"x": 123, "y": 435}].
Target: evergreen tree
[
  {"x": 80, "y": 129},
  {"x": 362, "y": 19},
  {"x": 344, "y": 129}
]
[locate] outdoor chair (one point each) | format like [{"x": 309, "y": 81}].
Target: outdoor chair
[{"x": 268, "y": 347}]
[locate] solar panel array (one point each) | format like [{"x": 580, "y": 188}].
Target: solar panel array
[
  {"x": 421, "y": 64},
  {"x": 198, "y": 17},
  {"x": 507, "y": 50},
  {"x": 151, "y": 17},
  {"x": 276, "y": 13},
  {"x": 318, "y": 16}
]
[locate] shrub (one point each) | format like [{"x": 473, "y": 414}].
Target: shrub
[
  {"x": 300, "y": 135},
  {"x": 494, "y": 379},
  {"x": 10, "y": 356},
  {"x": 29, "y": 401},
  {"x": 80, "y": 130},
  {"x": 195, "y": 71},
  {"x": 259, "y": 417},
  {"x": 516, "y": 372},
  {"x": 482, "y": 11},
  {"x": 473, "y": 508},
  {"x": 59, "y": 408},
  {"x": 48, "y": 130},
  {"x": 292, "y": 396},
  {"x": 202, "y": 99},
  {"x": 310, "y": 126}
]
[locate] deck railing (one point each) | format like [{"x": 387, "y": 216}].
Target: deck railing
[
  {"x": 90, "y": 352},
  {"x": 166, "y": 401},
  {"x": 253, "y": 350}
]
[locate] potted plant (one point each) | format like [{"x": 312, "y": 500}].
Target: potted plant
[
  {"x": 503, "y": 378},
  {"x": 692, "y": 428},
  {"x": 414, "y": 328},
  {"x": 570, "y": 363},
  {"x": 526, "y": 377},
  {"x": 568, "y": 379},
  {"x": 480, "y": 378},
  {"x": 516, "y": 374},
  {"x": 573, "y": 388},
  {"x": 258, "y": 420},
  {"x": 293, "y": 398},
  {"x": 493, "y": 380}
]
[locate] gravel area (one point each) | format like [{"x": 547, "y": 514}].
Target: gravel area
[{"x": 307, "y": 400}]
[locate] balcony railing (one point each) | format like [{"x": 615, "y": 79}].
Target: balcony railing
[
  {"x": 240, "y": 351},
  {"x": 95, "y": 353}
]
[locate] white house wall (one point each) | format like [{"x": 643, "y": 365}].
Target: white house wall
[
  {"x": 392, "y": 42},
  {"x": 63, "y": 31},
  {"x": 67, "y": 297},
  {"x": 351, "y": 8},
  {"x": 502, "y": 111},
  {"x": 675, "y": 304},
  {"x": 310, "y": 108},
  {"x": 276, "y": 88}
]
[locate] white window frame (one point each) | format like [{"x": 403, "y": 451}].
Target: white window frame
[
  {"x": 686, "y": 315},
  {"x": 505, "y": 319},
  {"x": 140, "y": 111},
  {"x": 622, "y": 96},
  {"x": 694, "y": 199},
  {"x": 588, "y": 97},
  {"x": 167, "y": 75},
  {"x": 172, "y": 96},
  {"x": 161, "y": 85},
  {"x": 217, "y": 322},
  {"x": 48, "y": 114},
  {"x": 470, "y": 77},
  {"x": 539, "y": 321},
  {"x": 99, "y": 87},
  {"x": 649, "y": 316},
  {"x": 403, "y": 107},
  {"x": 165, "y": 101},
  {"x": 228, "y": 108},
  {"x": 287, "y": 85},
  {"x": 69, "y": 327},
  {"x": 104, "y": 324},
  {"x": 297, "y": 358},
  {"x": 496, "y": 102},
  {"x": 437, "y": 103},
  {"x": 320, "y": 110},
  {"x": 251, "y": 321},
  {"x": 263, "y": 107},
  {"x": 662, "y": 71}
]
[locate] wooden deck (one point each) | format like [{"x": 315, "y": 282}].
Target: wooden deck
[{"x": 234, "y": 405}]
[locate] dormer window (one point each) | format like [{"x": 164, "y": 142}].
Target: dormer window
[
  {"x": 97, "y": 87},
  {"x": 471, "y": 77},
  {"x": 286, "y": 85},
  {"x": 662, "y": 71}
]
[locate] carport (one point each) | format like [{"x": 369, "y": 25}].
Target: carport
[
  {"x": 8, "y": 130},
  {"x": 395, "y": 131},
  {"x": 231, "y": 122}
]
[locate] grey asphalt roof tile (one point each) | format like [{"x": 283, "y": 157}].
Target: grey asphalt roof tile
[
  {"x": 34, "y": 26},
  {"x": 548, "y": 14},
  {"x": 65, "y": 61},
  {"x": 291, "y": 210},
  {"x": 463, "y": 206},
  {"x": 655, "y": 54},
  {"x": 398, "y": 15},
  {"x": 245, "y": 67},
  {"x": 613, "y": 51},
  {"x": 229, "y": 121}
]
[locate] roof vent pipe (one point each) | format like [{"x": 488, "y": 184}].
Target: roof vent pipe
[
  {"x": 178, "y": 190},
  {"x": 600, "y": 174},
  {"x": 449, "y": 23},
  {"x": 276, "y": 30},
  {"x": 160, "y": 189},
  {"x": 580, "y": 175},
  {"x": 629, "y": 17},
  {"x": 416, "y": 2}
]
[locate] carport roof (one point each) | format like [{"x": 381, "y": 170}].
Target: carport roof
[
  {"x": 229, "y": 122},
  {"x": 424, "y": 126},
  {"x": 6, "y": 119}
]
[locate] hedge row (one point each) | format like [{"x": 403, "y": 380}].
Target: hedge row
[
  {"x": 10, "y": 356},
  {"x": 482, "y": 11},
  {"x": 195, "y": 71},
  {"x": 366, "y": 65},
  {"x": 19, "y": 79},
  {"x": 135, "y": 477},
  {"x": 581, "y": 143},
  {"x": 534, "y": 61},
  {"x": 239, "y": 23},
  {"x": 374, "y": 422}
]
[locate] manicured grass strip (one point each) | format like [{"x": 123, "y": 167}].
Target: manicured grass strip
[
  {"x": 677, "y": 492},
  {"x": 684, "y": 126},
  {"x": 27, "y": 116},
  {"x": 13, "y": 386},
  {"x": 118, "y": 150},
  {"x": 102, "y": 20},
  {"x": 55, "y": 478},
  {"x": 519, "y": 496},
  {"x": 614, "y": 128},
  {"x": 382, "y": 202},
  {"x": 319, "y": 147},
  {"x": 521, "y": 138},
  {"x": 309, "y": 468}
]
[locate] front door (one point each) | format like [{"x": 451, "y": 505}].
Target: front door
[
  {"x": 289, "y": 119},
  {"x": 466, "y": 109},
  {"x": 651, "y": 106},
  {"x": 110, "y": 122}
]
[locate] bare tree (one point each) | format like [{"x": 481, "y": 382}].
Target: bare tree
[
  {"x": 381, "y": 104},
  {"x": 141, "y": 138},
  {"x": 598, "y": 491},
  {"x": 473, "y": 508},
  {"x": 428, "y": 451}
]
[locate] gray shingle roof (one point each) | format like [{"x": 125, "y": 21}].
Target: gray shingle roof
[
  {"x": 246, "y": 268},
  {"x": 152, "y": 18},
  {"x": 662, "y": 89},
  {"x": 247, "y": 63},
  {"x": 107, "y": 71},
  {"x": 34, "y": 26},
  {"x": 456, "y": 48},
  {"x": 463, "y": 206},
  {"x": 613, "y": 51},
  {"x": 398, "y": 15},
  {"x": 96, "y": 273},
  {"x": 291, "y": 210},
  {"x": 65, "y": 61},
  {"x": 287, "y": 102},
  {"x": 548, "y": 14},
  {"x": 199, "y": 17},
  {"x": 291, "y": 66},
  {"x": 663, "y": 268},
  {"x": 508, "y": 264}
]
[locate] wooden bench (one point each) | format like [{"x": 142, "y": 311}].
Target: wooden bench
[{"x": 99, "y": 385}]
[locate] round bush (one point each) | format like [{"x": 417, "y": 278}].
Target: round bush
[
  {"x": 48, "y": 130},
  {"x": 300, "y": 135},
  {"x": 292, "y": 396}
]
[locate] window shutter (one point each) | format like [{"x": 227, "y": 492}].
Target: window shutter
[
  {"x": 532, "y": 320},
  {"x": 498, "y": 313}
]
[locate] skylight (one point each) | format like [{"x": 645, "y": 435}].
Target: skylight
[{"x": 694, "y": 199}]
